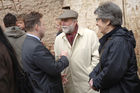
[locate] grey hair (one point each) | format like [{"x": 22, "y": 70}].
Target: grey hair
[
  {"x": 110, "y": 11},
  {"x": 75, "y": 20}
]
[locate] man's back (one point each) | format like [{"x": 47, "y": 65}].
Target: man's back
[
  {"x": 40, "y": 64},
  {"x": 16, "y": 36}
]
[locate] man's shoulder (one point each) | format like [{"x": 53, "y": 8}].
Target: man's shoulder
[
  {"x": 60, "y": 36},
  {"x": 14, "y": 31},
  {"x": 86, "y": 32},
  {"x": 30, "y": 45},
  {"x": 31, "y": 42}
]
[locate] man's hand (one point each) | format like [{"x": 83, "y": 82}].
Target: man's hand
[
  {"x": 64, "y": 79},
  {"x": 64, "y": 53},
  {"x": 91, "y": 84}
]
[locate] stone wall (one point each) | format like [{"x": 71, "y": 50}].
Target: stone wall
[{"x": 49, "y": 8}]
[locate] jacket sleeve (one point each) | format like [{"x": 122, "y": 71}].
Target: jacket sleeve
[
  {"x": 56, "y": 49},
  {"x": 115, "y": 65},
  {"x": 46, "y": 61},
  {"x": 95, "y": 71},
  {"x": 3, "y": 72},
  {"x": 94, "y": 51}
]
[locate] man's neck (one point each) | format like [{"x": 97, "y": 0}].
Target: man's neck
[{"x": 109, "y": 29}]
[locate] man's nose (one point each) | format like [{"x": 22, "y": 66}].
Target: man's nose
[
  {"x": 62, "y": 23},
  {"x": 96, "y": 23}
]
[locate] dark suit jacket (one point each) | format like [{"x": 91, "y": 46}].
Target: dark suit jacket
[{"x": 41, "y": 65}]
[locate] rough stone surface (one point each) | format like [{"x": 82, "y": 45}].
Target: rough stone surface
[{"x": 51, "y": 9}]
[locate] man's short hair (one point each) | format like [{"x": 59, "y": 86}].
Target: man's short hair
[
  {"x": 31, "y": 20},
  {"x": 9, "y": 20}
]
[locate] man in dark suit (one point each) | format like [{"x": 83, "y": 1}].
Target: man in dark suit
[{"x": 38, "y": 62}]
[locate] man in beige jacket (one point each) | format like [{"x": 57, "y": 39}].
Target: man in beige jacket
[{"x": 82, "y": 47}]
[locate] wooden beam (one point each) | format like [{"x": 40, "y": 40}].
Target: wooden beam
[{"x": 123, "y": 7}]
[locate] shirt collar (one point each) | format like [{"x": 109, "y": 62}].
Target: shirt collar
[{"x": 33, "y": 36}]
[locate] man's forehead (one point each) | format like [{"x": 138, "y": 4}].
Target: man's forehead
[{"x": 20, "y": 21}]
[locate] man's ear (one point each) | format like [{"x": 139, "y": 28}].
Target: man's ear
[
  {"x": 36, "y": 27},
  {"x": 75, "y": 22},
  {"x": 108, "y": 22}
]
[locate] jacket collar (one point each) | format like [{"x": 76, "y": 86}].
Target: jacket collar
[
  {"x": 33, "y": 36},
  {"x": 14, "y": 31}
]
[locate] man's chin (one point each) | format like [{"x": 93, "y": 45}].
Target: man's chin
[
  {"x": 66, "y": 32},
  {"x": 41, "y": 36}
]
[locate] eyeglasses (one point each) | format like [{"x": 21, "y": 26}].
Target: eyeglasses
[{"x": 98, "y": 19}]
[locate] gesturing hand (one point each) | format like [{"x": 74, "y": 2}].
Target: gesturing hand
[
  {"x": 64, "y": 53},
  {"x": 64, "y": 79}
]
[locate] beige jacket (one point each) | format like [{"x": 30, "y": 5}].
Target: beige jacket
[{"x": 83, "y": 57}]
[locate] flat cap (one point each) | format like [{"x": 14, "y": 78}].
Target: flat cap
[{"x": 68, "y": 14}]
